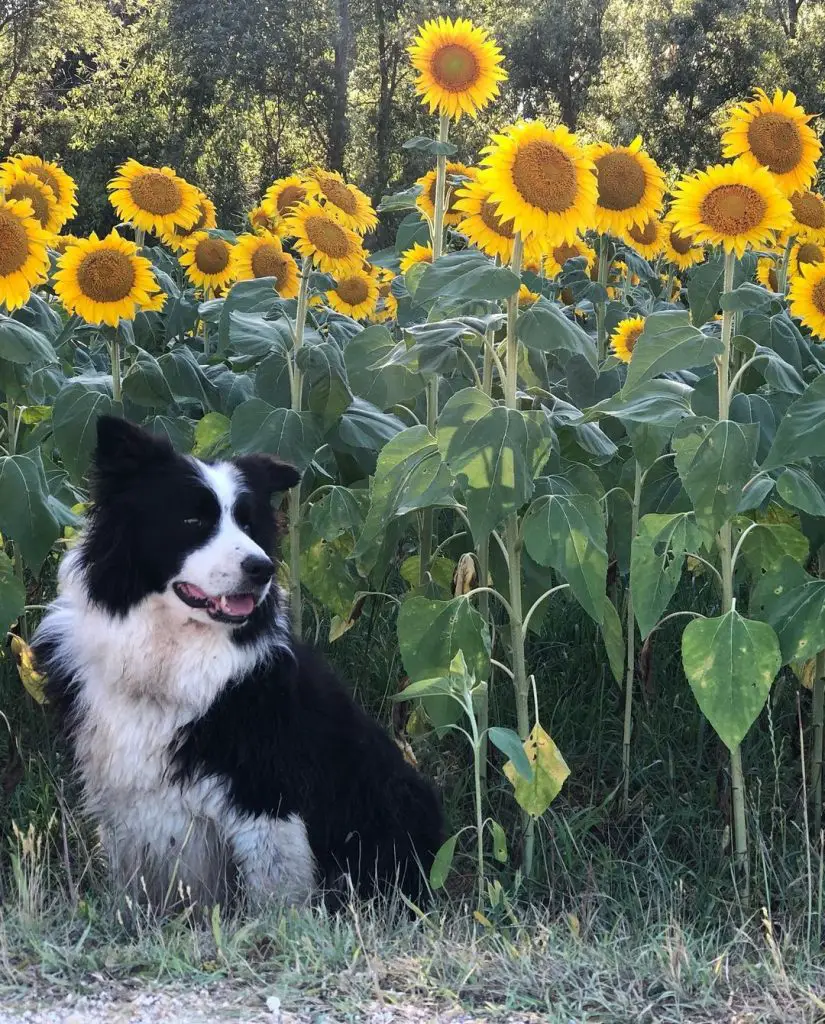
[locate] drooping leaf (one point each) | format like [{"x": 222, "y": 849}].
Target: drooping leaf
[
  {"x": 793, "y": 604},
  {"x": 212, "y": 436},
  {"x": 326, "y": 387},
  {"x": 443, "y": 861},
  {"x": 79, "y": 404},
  {"x": 12, "y": 594},
  {"x": 613, "y": 638},
  {"x": 669, "y": 342},
  {"x": 706, "y": 285},
  {"x": 464, "y": 275},
  {"x": 568, "y": 532},
  {"x": 801, "y": 432},
  {"x": 509, "y": 743},
  {"x": 144, "y": 382},
  {"x": 766, "y": 547},
  {"x": 336, "y": 513},
  {"x": 258, "y": 427},
  {"x": 544, "y": 328},
  {"x": 796, "y": 486},
  {"x": 730, "y": 663},
  {"x": 549, "y": 772},
  {"x": 20, "y": 343},
  {"x": 25, "y": 510},
  {"x": 656, "y": 562}
]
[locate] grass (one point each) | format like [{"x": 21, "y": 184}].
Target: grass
[{"x": 635, "y": 915}]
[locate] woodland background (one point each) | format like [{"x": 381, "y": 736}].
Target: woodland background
[{"x": 234, "y": 93}]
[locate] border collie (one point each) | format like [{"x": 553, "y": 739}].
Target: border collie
[{"x": 212, "y": 748}]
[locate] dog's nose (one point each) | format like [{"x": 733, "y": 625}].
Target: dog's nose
[{"x": 258, "y": 569}]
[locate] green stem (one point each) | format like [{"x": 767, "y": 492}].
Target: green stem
[
  {"x": 631, "y": 648},
  {"x": 723, "y": 541},
  {"x": 13, "y": 428},
  {"x": 483, "y": 554},
  {"x": 117, "y": 377},
  {"x": 512, "y": 541},
  {"x": 669, "y": 286},
  {"x": 432, "y": 384},
  {"x": 601, "y": 305},
  {"x": 296, "y": 389},
  {"x": 479, "y": 745},
  {"x": 818, "y": 716},
  {"x": 782, "y": 275}
]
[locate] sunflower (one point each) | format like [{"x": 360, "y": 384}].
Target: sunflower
[
  {"x": 346, "y": 203},
  {"x": 683, "y": 250},
  {"x": 157, "y": 300},
  {"x": 675, "y": 287},
  {"x": 207, "y": 220},
  {"x": 417, "y": 254},
  {"x": 630, "y": 186},
  {"x": 208, "y": 260},
  {"x": 426, "y": 201},
  {"x": 555, "y": 260},
  {"x": 153, "y": 198},
  {"x": 458, "y": 65},
  {"x": 19, "y": 184},
  {"x": 625, "y": 336},
  {"x": 766, "y": 274},
  {"x": 387, "y": 308},
  {"x": 261, "y": 220},
  {"x": 24, "y": 260},
  {"x": 541, "y": 180},
  {"x": 283, "y": 195},
  {"x": 526, "y": 297},
  {"x": 774, "y": 134},
  {"x": 647, "y": 239},
  {"x": 806, "y": 297},
  {"x": 104, "y": 280},
  {"x": 804, "y": 253},
  {"x": 263, "y": 256},
  {"x": 60, "y": 243},
  {"x": 808, "y": 216},
  {"x": 356, "y": 294},
  {"x": 61, "y": 184},
  {"x": 734, "y": 206},
  {"x": 482, "y": 225},
  {"x": 332, "y": 247}
]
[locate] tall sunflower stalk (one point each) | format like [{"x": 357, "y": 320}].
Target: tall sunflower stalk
[
  {"x": 427, "y": 518},
  {"x": 296, "y": 394}
]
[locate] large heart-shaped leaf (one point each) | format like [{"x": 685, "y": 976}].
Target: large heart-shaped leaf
[
  {"x": 20, "y": 343},
  {"x": 25, "y": 512},
  {"x": 801, "y": 432},
  {"x": 669, "y": 342},
  {"x": 549, "y": 771},
  {"x": 544, "y": 328},
  {"x": 730, "y": 663},
  {"x": 793, "y": 603},
  {"x": 77, "y": 408},
  {"x": 464, "y": 275},
  {"x": 656, "y": 561},
  {"x": 258, "y": 427},
  {"x": 326, "y": 386}
]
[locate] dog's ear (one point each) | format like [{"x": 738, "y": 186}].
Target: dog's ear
[
  {"x": 268, "y": 473},
  {"x": 124, "y": 447}
]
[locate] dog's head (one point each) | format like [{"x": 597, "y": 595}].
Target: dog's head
[{"x": 203, "y": 536}]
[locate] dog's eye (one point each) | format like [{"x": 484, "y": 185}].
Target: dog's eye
[{"x": 193, "y": 521}]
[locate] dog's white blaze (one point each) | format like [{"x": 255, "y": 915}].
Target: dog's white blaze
[
  {"x": 140, "y": 678},
  {"x": 216, "y": 566}
]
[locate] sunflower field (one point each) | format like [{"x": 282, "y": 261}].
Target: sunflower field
[{"x": 575, "y": 385}]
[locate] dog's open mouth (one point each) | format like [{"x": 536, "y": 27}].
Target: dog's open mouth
[{"x": 223, "y": 608}]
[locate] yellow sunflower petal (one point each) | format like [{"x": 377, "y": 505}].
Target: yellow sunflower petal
[
  {"x": 558, "y": 255},
  {"x": 207, "y": 220},
  {"x": 647, "y": 239},
  {"x": 731, "y": 205},
  {"x": 804, "y": 253},
  {"x": 24, "y": 259},
  {"x": 262, "y": 220},
  {"x": 806, "y": 297},
  {"x": 766, "y": 274},
  {"x": 417, "y": 254},
  {"x": 153, "y": 198},
  {"x": 283, "y": 195},
  {"x": 387, "y": 308},
  {"x": 207, "y": 260},
  {"x": 542, "y": 181},
  {"x": 808, "y": 216},
  {"x": 346, "y": 203},
  {"x": 774, "y": 134},
  {"x": 263, "y": 255},
  {"x": 104, "y": 280},
  {"x": 459, "y": 67},
  {"x": 355, "y": 294},
  {"x": 682, "y": 250},
  {"x": 625, "y": 336},
  {"x": 332, "y": 247},
  {"x": 51, "y": 174}
]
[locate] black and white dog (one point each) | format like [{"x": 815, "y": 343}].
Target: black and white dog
[{"x": 210, "y": 745}]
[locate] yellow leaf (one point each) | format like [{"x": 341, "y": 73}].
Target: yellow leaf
[
  {"x": 465, "y": 575},
  {"x": 805, "y": 672},
  {"x": 32, "y": 680},
  {"x": 549, "y": 773},
  {"x": 406, "y": 750},
  {"x": 482, "y": 919}
]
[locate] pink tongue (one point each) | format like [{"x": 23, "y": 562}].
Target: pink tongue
[
  {"x": 194, "y": 592},
  {"x": 237, "y": 604}
]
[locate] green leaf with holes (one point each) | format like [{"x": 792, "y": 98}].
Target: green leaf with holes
[{"x": 656, "y": 561}]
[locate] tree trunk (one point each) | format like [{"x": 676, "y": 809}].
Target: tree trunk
[
  {"x": 339, "y": 129},
  {"x": 384, "y": 112}
]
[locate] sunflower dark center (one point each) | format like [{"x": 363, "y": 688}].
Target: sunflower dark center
[
  {"x": 491, "y": 219},
  {"x": 773, "y": 280},
  {"x": 681, "y": 243},
  {"x": 775, "y": 141},
  {"x": 199, "y": 224},
  {"x": 646, "y": 235},
  {"x": 451, "y": 169},
  {"x": 46, "y": 176},
  {"x": 809, "y": 209},
  {"x": 633, "y": 336},
  {"x": 212, "y": 255},
  {"x": 327, "y": 237},
  {"x": 36, "y": 196},
  {"x": 809, "y": 253},
  {"x": 621, "y": 181},
  {"x": 454, "y": 68},
  {"x": 156, "y": 193},
  {"x": 14, "y": 244},
  {"x": 105, "y": 275},
  {"x": 545, "y": 176},
  {"x": 353, "y": 290},
  {"x": 289, "y": 197},
  {"x": 818, "y": 297},
  {"x": 563, "y": 253},
  {"x": 339, "y": 195},
  {"x": 268, "y": 261},
  {"x": 733, "y": 209}
]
